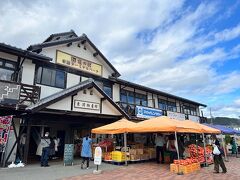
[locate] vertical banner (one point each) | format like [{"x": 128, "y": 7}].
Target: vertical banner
[{"x": 5, "y": 125}]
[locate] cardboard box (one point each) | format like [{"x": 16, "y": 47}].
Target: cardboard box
[
  {"x": 139, "y": 151},
  {"x": 133, "y": 152},
  {"x": 134, "y": 157}
]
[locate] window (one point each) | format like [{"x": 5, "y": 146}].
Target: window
[
  {"x": 190, "y": 110},
  {"x": 129, "y": 98},
  {"x": 172, "y": 106},
  {"x": 162, "y": 104},
  {"x": 107, "y": 88},
  {"x": 7, "y": 69},
  {"x": 51, "y": 77},
  {"x": 141, "y": 99}
]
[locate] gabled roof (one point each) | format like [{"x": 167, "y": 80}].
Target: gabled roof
[
  {"x": 61, "y": 36},
  {"x": 23, "y": 53},
  {"x": 43, "y": 103},
  {"x": 144, "y": 88},
  {"x": 70, "y": 37}
]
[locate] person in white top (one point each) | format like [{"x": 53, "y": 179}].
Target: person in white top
[{"x": 160, "y": 142}]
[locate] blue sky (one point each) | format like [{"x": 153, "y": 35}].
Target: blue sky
[{"x": 187, "y": 48}]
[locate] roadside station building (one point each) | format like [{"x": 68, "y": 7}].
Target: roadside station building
[{"x": 66, "y": 86}]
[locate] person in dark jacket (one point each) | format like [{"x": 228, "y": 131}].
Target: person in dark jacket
[{"x": 218, "y": 160}]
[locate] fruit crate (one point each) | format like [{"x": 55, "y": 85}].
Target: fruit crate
[
  {"x": 185, "y": 169},
  {"x": 118, "y": 156},
  {"x": 196, "y": 166},
  {"x": 174, "y": 168}
]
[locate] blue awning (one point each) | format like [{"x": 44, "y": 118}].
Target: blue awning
[{"x": 223, "y": 129}]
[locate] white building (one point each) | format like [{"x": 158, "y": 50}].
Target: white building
[{"x": 66, "y": 86}]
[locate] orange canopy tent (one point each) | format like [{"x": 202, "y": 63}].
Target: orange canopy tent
[
  {"x": 118, "y": 127},
  {"x": 203, "y": 128},
  {"x": 163, "y": 124}
]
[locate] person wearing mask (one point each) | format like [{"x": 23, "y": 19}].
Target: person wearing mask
[
  {"x": 159, "y": 142},
  {"x": 217, "y": 157},
  {"x": 86, "y": 152},
  {"x": 45, "y": 143}
]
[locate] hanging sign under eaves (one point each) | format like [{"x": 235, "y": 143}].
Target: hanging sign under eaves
[
  {"x": 78, "y": 63},
  {"x": 145, "y": 112}
]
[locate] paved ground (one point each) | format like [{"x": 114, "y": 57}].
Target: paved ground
[
  {"x": 55, "y": 171},
  {"x": 143, "y": 171},
  {"x": 153, "y": 171}
]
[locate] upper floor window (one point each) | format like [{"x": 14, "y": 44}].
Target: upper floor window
[
  {"x": 141, "y": 99},
  {"x": 107, "y": 88},
  {"x": 167, "y": 105},
  {"x": 7, "y": 69},
  {"x": 51, "y": 77},
  {"x": 130, "y": 97},
  {"x": 190, "y": 110},
  {"x": 172, "y": 106},
  {"x": 162, "y": 104}
]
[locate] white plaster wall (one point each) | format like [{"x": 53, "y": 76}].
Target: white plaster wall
[
  {"x": 116, "y": 92},
  {"x": 149, "y": 97},
  {"x": 28, "y": 72},
  {"x": 8, "y": 56},
  {"x": 64, "y": 104},
  {"x": 87, "y": 97},
  {"x": 107, "y": 108},
  {"x": 79, "y": 52},
  {"x": 72, "y": 80},
  {"x": 47, "y": 90},
  {"x": 84, "y": 78},
  {"x": 156, "y": 100}
]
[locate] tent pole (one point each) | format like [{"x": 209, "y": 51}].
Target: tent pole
[
  {"x": 179, "y": 173},
  {"x": 205, "y": 152},
  {"x": 224, "y": 149},
  {"x": 125, "y": 147}
]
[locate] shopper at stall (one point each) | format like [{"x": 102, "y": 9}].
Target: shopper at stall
[
  {"x": 45, "y": 143},
  {"x": 234, "y": 146},
  {"x": 86, "y": 153},
  {"x": 172, "y": 148},
  {"x": 160, "y": 142},
  {"x": 217, "y": 157}
]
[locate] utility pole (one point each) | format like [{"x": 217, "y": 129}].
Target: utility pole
[{"x": 211, "y": 116}]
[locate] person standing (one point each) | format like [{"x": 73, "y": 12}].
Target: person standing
[
  {"x": 159, "y": 142},
  {"x": 45, "y": 143},
  {"x": 86, "y": 152},
  {"x": 217, "y": 157}
]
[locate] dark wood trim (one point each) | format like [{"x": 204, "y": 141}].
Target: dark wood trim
[
  {"x": 27, "y": 140},
  {"x": 101, "y": 104}
]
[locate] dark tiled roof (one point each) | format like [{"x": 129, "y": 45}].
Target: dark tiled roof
[
  {"x": 23, "y": 53},
  {"x": 69, "y": 92},
  {"x": 144, "y": 88},
  {"x": 61, "y": 36},
  {"x": 52, "y": 41}
]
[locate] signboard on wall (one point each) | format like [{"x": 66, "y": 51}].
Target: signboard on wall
[
  {"x": 78, "y": 63},
  {"x": 86, "y": 105},
  {"x": 5, "y": 124},
  {"x": 9, "y": 93},
  {"x": 175, "y": 115},
  {"x": 194, "y": 118},
  {"x": 145, "y": 112}
]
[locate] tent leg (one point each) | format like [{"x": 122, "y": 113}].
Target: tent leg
[
  {"x": 125, "y": 148},
  {"x": 224, "y": 149},
  {"x": 205, "y": 154},
  {"x": 179, "y": 173}
]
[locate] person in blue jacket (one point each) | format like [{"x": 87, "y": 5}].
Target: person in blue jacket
[{"x": 86, "y": 152}]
